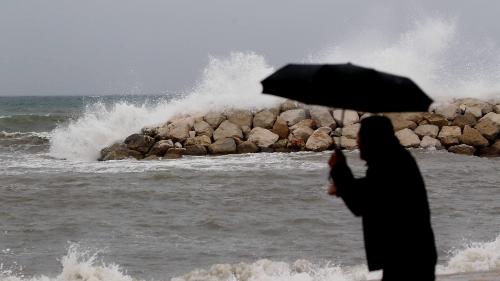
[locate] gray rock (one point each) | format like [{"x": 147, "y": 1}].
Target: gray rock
[
  {"x": 430, "y": 143},
  {"x": 408, "y": 138},
  {"x": 223, "y": 146},
  {"x": 497, "y": 108},
  {"x": 293, "y": 116},
  {"x": 321, "y": 115},
  {"x": 151, "y": 158},
  {"x": 202, "y": 128},
  {"x": 196, "y": 149},
  {"x": 138, "y": 142},
  {"x": 473, "y": 137},
  {"x": 161, "y": 147},
  {"x": 214, "y": 119},
  {"x": 462, "y": 149},
  {"x": 320, "y": 139},
  {"x": 262, "y": 137},
  {"x": 227, "y": 130},
  {"x": 177, "y": 145},
  {"x": 449, "y": 141},
  {"x": 488, "y": 129},
  {"x": 351, "y": 131},
  {"x": 247, "y": 147},
  {"x": 264, "y": 119},
  {"x": 350, "y": 117},
  {"x": 240, "y": 117},
  {"x": 304, "y": 123},
  {"x": 427, "y": 130},
  {"x": 347, "y": 143},
  {"x": 150, "y": 131},
  {"x": 246, "y": 131}
]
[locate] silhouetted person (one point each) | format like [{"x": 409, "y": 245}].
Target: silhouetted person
[{"x": 392, "y": 201}]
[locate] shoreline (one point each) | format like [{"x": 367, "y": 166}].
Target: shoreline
[{"x": 465, "y": 126}]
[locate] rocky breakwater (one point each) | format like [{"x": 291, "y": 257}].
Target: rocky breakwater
[{"x": 465, "y": 126}]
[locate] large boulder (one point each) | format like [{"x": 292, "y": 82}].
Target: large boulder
[
  {"x": 264, "y": 119},
  {"x": 462, "y": 149},
  {"x": 320, "y": 140},
  {"x": 196, "y": 149},
  {"x": 119, "y": 151},
  {"x": 346, "y": 143},
  {"x": 464, "y": 119},
  {"x": 198, "y": 140},
  {"x": 138, "y": 142},
  {"x": 223, "y": 146},
  {"x": 295, "y": 143},
  {"x": 227, "y": 129},
  {"x": 321, "y": 115},
  {"x": 494, "y": 117},
  {"x": 160, "y": 148},
  {"x": 281, "y": 146},
  {"x": 174, "y": 153},
  {"x": 202, "y": 128},
  {"x": 450, "y": 133},
  {"x": 150, "y": 131},
  {"x": 262, "y": 137},
  {"x": 350, "y": 117},
  {"x": 400, "y": 122},
  {"x": 449, "y": 141},
  {"x": 488, "y": 129},
  {"x": 427, "y": 130},
  {"x": 485, "y": 107},
  {"x": 247, "y": 147},
  {"x": 293, "y": 116},
  {"x": 473, "y": 137},
  {"x": 491, "y": 151},
  {"x": 475, "y": 111},
  {"x": 214, "y": 119},
  {"x": 303, "y": 133},
  {"x": 178, "y": 130},
  {"x": 351, "y": 131},
  {"x": 408, "y": 138},
  {"x": 449, "y": 111},
  {"x": 280, "y": 128},
  {"x": 497, "y": 108},
  {"x": 430, "y": 143},
  {"x": 435, "y": 119},
  {"x": 289, "y": 105},
  {"x": 240, "y": 117},
  {"x": 304, "y": 123}
]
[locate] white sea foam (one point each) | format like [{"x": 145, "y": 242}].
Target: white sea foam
[
  {"x": 231, "y": 82},
  {"x": 80, "y": 264},
  {"x": 432, "y": 53}
]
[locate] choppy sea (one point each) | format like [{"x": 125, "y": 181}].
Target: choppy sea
[{"x": 66, "y": 216}]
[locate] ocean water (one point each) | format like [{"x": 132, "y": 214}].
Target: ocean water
[
  {"x": 237, "y": 217},
  {"x": 258, "y": 217}
]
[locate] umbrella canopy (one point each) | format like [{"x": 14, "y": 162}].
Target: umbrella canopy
[{"x": 347, "y": 86}]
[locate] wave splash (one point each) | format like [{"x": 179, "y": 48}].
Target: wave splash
[
  {"x": 231, "y": 82},
  {"x": 79, "y": 264}
]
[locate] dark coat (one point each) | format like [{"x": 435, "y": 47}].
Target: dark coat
[{"x": 392, "y": 202}]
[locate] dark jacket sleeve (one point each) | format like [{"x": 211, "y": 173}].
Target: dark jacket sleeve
[{"x": 350, "y": 189}]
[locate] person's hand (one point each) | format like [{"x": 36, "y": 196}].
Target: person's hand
[
  {"x": 336, "y": 158},
  {"x": 332, "y": 190}
]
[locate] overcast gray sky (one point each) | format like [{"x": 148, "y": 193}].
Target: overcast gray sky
[{"x": 93, "y": 47}]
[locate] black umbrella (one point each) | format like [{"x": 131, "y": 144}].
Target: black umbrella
[{"x": 347, "y": 86}]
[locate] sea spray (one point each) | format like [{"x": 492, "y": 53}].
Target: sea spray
[
  {"x": 231, "y": 82},
  {"x": 432, "y": 53}
]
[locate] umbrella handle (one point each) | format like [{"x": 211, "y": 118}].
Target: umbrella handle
[{"x": 342, "y": 122}]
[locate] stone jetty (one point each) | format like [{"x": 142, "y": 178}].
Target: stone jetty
[{"x": 464, "y": 126}]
